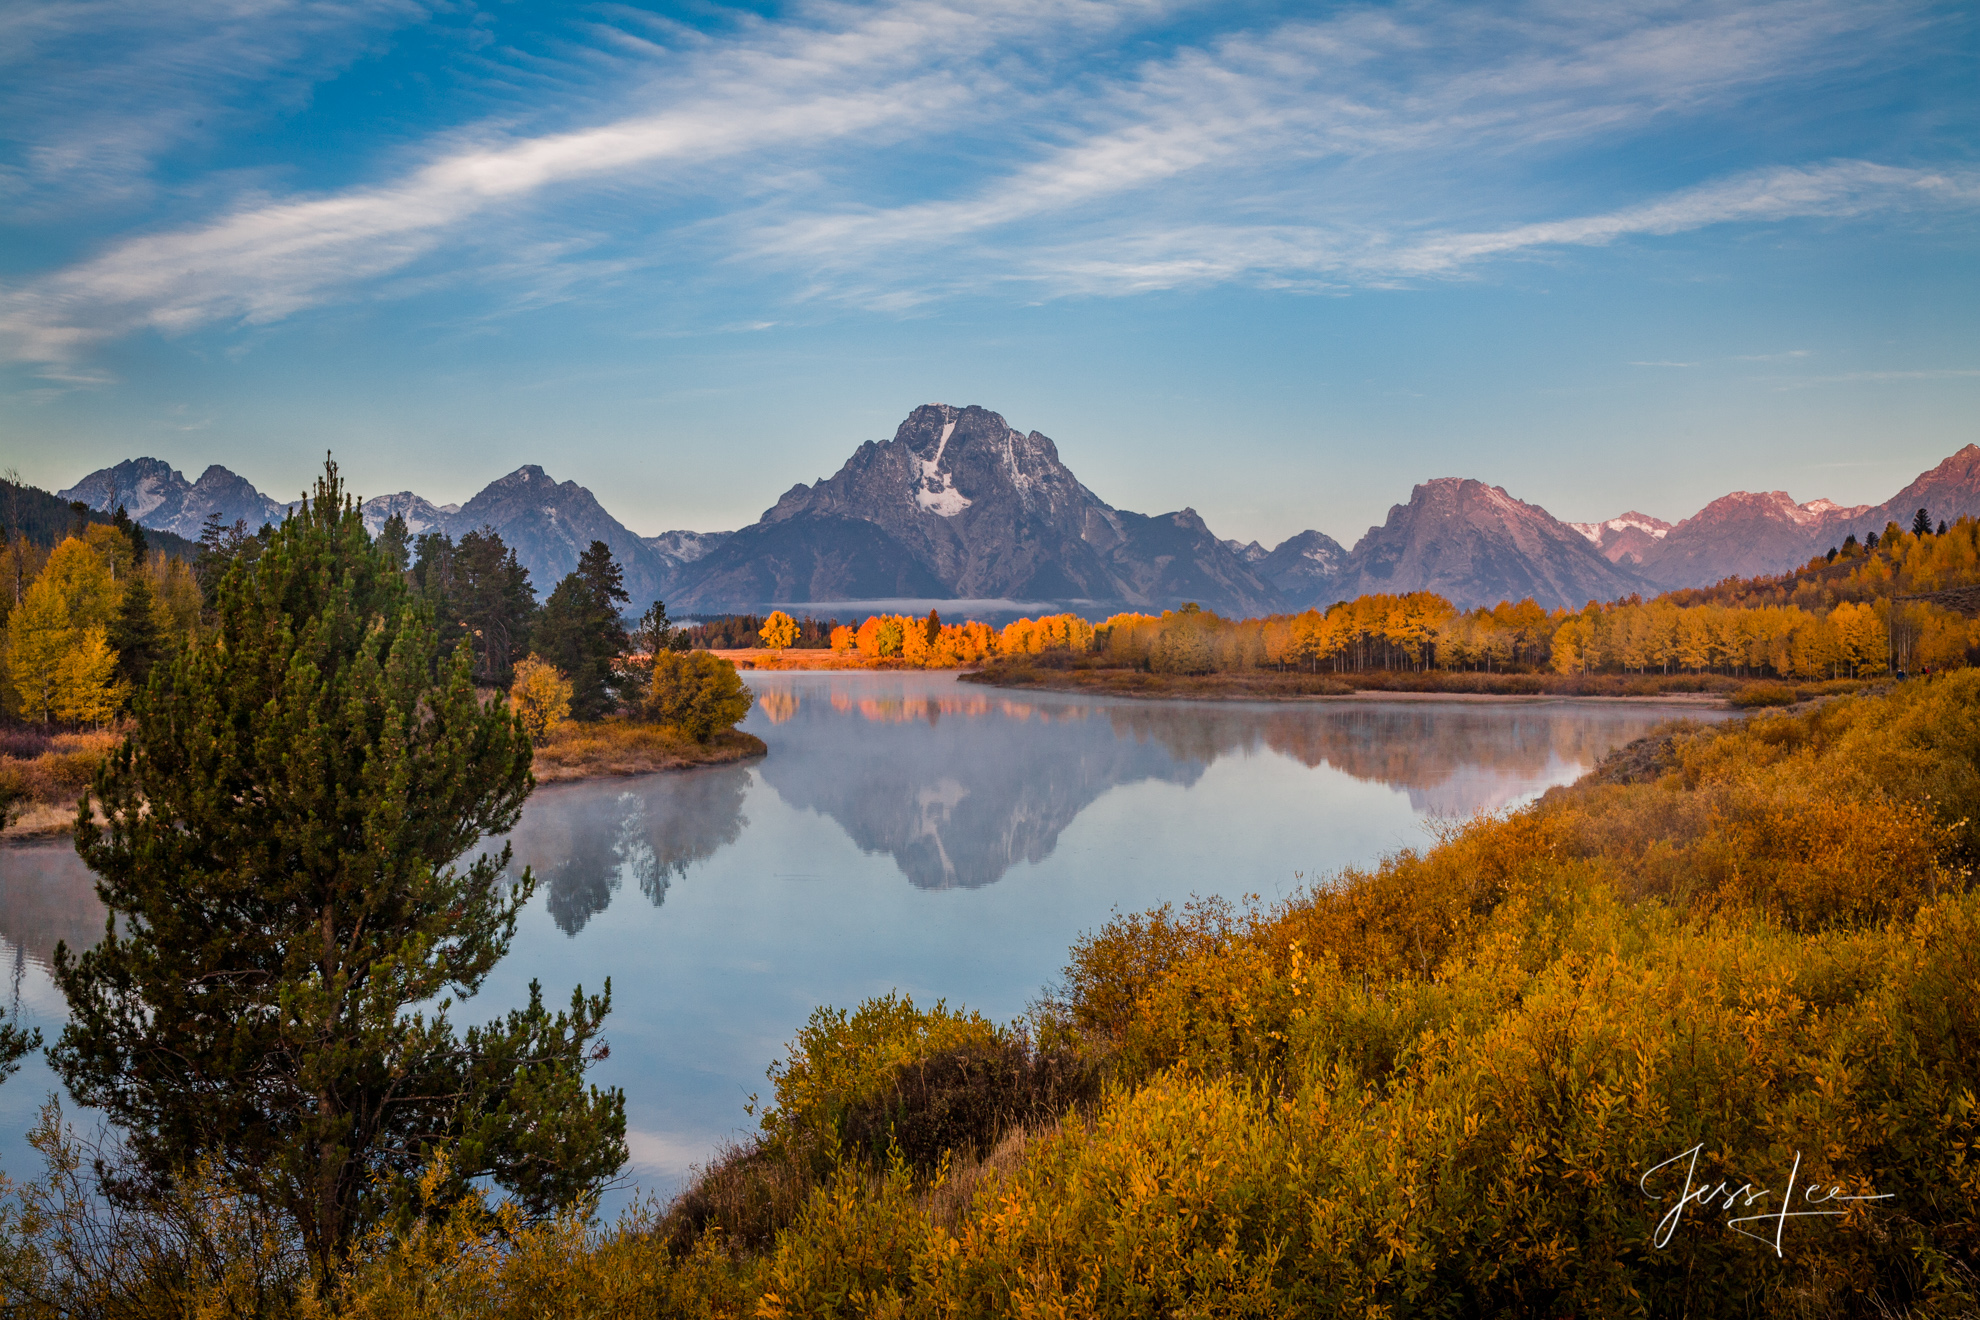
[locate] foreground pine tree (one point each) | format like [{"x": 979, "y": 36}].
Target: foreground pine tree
[{"x": 279, "y": 863}]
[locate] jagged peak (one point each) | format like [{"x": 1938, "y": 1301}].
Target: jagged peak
[{"x": 1773, "y": 503}]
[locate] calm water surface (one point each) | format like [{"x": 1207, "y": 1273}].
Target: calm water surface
[{"x": 905, "y": 832}]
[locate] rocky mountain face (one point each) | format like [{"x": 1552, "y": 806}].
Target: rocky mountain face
[
  {"x": 959, "y": 504},
  {"x": 157, "y": 496},
  {"x": 679, "y": 549},
  {"x": 1477, "y": 545},
  {"x": 1740, "y": 535},
  {"x": 550, "y": 523},
  {"x": 420, "y": 515},
  {"x": 1249, "y": 552},
  {"x": 1305, "y": 569},
  {"x": 1625, "y": 538},
  {"x": 1754, "y": 533}
]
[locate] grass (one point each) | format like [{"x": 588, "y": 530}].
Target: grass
[
  {"x": 624, "y": 747},
  {"x": 41, "y": 776}
]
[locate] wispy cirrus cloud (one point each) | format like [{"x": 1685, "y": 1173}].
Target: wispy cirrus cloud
[
  {"x": 1882, "y": 377},
  {"x": 93, "y": 91},
  {"x": 1321, "y": 258},
  {"x": 787, "y": 88},
  {"x": 1374, "y": 147}
]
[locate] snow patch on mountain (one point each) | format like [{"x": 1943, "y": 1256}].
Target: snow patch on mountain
[
  {"x": 1598, "y": 532},
  {"x": 684, "y": 547},
  {"x": 935, "y": 491},
  {"x": 421, "y": 515}
]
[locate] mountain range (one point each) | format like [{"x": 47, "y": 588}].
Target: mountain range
[{"x": 961, "y": 507}]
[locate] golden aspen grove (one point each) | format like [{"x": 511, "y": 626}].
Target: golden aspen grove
[
  {"x": 1856, "y": 617},
  {"x": 60, "y": 666}
]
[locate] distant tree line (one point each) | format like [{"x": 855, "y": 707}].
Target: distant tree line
[{"x": 733, "y": 632}]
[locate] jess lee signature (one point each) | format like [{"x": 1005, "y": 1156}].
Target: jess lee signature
[{"x": 1745, "y": 1197}]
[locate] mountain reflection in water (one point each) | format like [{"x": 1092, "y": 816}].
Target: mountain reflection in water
[{"x": 958, "y": 784}]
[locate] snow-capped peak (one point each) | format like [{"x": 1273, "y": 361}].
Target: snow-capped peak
[{"x": 1597, "y": 532}]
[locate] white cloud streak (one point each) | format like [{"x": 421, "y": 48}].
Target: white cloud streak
[
  {"x": 92, "y": 91},
  {"x": 1313, "y": 155}
]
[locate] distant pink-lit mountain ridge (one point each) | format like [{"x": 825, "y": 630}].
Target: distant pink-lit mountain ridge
[{"x": 961, "y": 507}]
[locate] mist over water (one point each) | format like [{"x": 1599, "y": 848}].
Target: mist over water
[{"x": 905, "y": 832}]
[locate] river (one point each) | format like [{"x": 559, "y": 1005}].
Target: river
[{"x": 906, "y": 832}]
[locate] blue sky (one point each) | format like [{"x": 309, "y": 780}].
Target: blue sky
[{"x": 1276, "y": 262}]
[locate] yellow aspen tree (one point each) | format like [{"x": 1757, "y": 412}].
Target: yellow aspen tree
[
  {"x": 1862, "y": 638},
  {"x": 914, "y": 645},
  {"x": 38, "y": 637},
  {"x": 82, "y": 580},
  {"x": 778, "y": 631},
  {"x": 86, "y": 690},
  {"x": 541, "y": 696},
  {"x": 1569, "y": 640}
]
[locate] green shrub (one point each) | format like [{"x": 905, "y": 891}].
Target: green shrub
[{"x": 698, "y": 692}]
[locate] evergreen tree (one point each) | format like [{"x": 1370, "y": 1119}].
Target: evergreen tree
[
  {"x": 134, "y": 632},
  {"x": 395, "y": 542},
  {"x": 279, "y": 860},
  {"x": 655, "y": 632},
  {"x": 496, "y": 601},
  {"x": 607, "y": 583},
  {"x": 581, "y": 632},
  {"x": 477, "y": 590},
  {"x": 433, "y": 580},
  {"x": 219, "y": 546},
  {"x": 140, "y": 549},
  {"x": 1921, "y": 523}
]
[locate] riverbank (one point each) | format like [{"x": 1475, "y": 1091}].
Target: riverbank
[
  {"x": 612, "y": 748},
  {"x": 44, "y": 786},
  {"x": 1388, "y": 685},
  {"x": 756, "y": 658}
]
